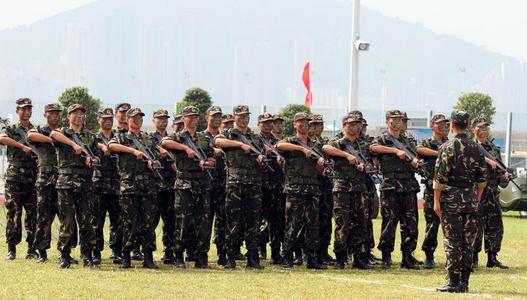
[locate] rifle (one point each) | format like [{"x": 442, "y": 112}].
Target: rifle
[
  {"x": 328, "y": 163},
  {"x": 86, "y": 150},
  {"x": 202, "y": 156},
  {"x": 254, "y": 148},
  {"x": 373, "y": 175},
  {"x": 411, "y": 154},
  {"x": 149, "y": 155},
  {"x": 22, "y": 135},
  {"x": 105, "y": 142},
  {"x": 171, "y": 158},
  {"x": 502, "y": 168}
]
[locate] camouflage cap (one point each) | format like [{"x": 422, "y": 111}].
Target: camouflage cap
[
  {"x": 394, "y": 114},
  {"x": 240, "y": 110},
  {"x": 105, "y": 113},
  {"x": 52, "y": 107},
  {"x": 278, "y": 117},
  {"x": 301, "y": 116},
  {"x": 23, "y": 102},
  {"x": 227, "y": 118},
  {"x": 478, "y": 121},
  {"x": 438, "y": 118},
  {"x": 132, "y": 112},
  {"x": 123, "y": 106},
  {"x": 214, "y": 110},
  {"x": 265, "y": 117},
  {"x": 317, "y": 119},
  {"x": 190, "y": 111},
  {"x": 161, "y": 113},
  {"x": 405, "y": 116},
  {"x": 75, "y": 107},
  {"x": 460, "y": 117},
  {"x": 178, "y": 119},
  {"x": 354, "y": 116},
  {"x": 364, "y": 122}
]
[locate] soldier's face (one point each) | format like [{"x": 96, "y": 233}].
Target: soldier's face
[
  {"x": 120, "y": 116},
  {"x": 227, "y": 125},
  {"x": 135, "y": 122},
  {"x": 214, "y": 121},
  {"x": 265, "y": 127},
  {"x": 302, "y": 126},
  {"x": 353, "y": 128},
  {"x": 177, "y": 127},
  {"x": 481, "y": 131},
  {"x": 24, "y": 113},
  {"x": 440, "y": 128},
  {"x": 395, "y": 124},
  {"x": 77, "y": 117},
  {"x": 161, "y": 123},
  {"x": 363, "y": 128},
  {"x": 52, "y": 117},
  {"x": 105, "y": 123},
  {"x": 242, "y": 120},
  {"x": 317, "y": 128},
  {"x": 191, "y": 122},
  {"x": 278, "y": 126}
]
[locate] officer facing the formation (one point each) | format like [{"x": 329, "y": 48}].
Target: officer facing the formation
[
  {"x": 227, "y": 121},
  {"x": 137, "y": 187},
  {"x": 490, "y": 223},
  {"x": 106, "y": 186},
  {"x": 459, "y": 181},
  {"x": 302, "y": 189},
  {"x": 177, "y": 123},
  {"x": 398, "y": 192},
  {"x": 194, "y": 157},
  {"x": 348, "y": 188},
  {"x": 428, "y": 150},
  {"x": 46, "y": 179},
  {"x": 243, "y": 201},
  {"x": 165, "y": 193},
  {"x": 75, "y": 187},
  {"x": 20, "y": 177}
]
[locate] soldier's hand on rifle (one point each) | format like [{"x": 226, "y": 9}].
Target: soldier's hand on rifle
[
  {"x": 174, "y": 168},
  {"x": 77, "y": 149},
  {"x": 190, "y": 153},
  {"x": 260, "y": 160},
  {"x": 401, "y": 154},
  {"x": 163, "y": 152},
  {"x": 218, "y": 152},
  {"x": 437, "y": 209},
  {"x": 105, "y": 150},
  {"x": 492, "y": 164},
  {"x": 320, "y": 162},
  {"x": 352, "y": 160},
  {"x": 280, "y": 160},
  {"x": 506, "y": 176},
  {"x": 415, "y": 163},
  {"x": 138, "y": 154},
  {"x": 246, "y": 148},
  {"x": 88, "y": 162},
  {"x": 307, "y": 152},
  {"x": 268, "y": 150},
  {"x": 27, "y": 150},
  {"x": 360, "y": 167}
]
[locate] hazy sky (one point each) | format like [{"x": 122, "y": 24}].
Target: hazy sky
[{"x": 497, "y": 25}]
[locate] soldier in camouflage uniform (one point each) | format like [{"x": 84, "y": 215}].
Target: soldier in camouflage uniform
[
  {"x": 349, "y": 187},
  {"x": 459, "y": 180},
  {"x": 165, "y": 189},
  {"x": 137, "y": 189},
  {"x": 20, "y": 178},
  {"x": 278, "y": 127},
  {"x": 227, "y": 121},
  {"x": 273, "y": 207},
  {"x": 213, "y": 117},
  {"x": 303, "y": 190},
  {"x": 428, "y": 150},
  {"x": 106, "y": 186},
  {"x": 489, "y": 216},
  {"x": 74, "y": 187},
  {"x": 46, "y": 179},
  {"x": 398, "y": 192},
  {"x": 243, "y": 201},
  {"x": 177, "y": 123},
  {"x": 192, "y": 187}
]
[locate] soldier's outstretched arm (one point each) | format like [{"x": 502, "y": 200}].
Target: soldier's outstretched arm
[
  {"x": 38, "y": 137},
  {"x": 118, "y": 148},
  {"x": 170, "y": 144},
  {"x": 227, "y": 143},
  {"x": 61, "y": 138},
  {"x": 424, "y": 151},
  {"x": 332, "y": 151},
  {"x": 7, "y": 141}
]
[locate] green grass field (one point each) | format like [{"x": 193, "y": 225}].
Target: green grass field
[{"x": 27, "y": 279}]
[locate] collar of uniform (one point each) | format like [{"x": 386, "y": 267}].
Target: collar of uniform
[
  {"x": 249, "y": 131},
  {"x": 101, "y": 133},
  {"x": 19, "y": 124},
  {"x": 461, "y": 135}
]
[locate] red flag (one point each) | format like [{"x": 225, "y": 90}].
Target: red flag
[{"x": 306, "y": 77}]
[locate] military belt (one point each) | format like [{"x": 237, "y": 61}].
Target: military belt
[
  {"x": 76, "y": 171},
  {"x": 241, "y": 172},
  {"x": 25, "y": 165},
  {"x": 302, "y": 180},
  {"x": 461, "y": 184},
  {"x": 190, "y": 175},
  {"x": 47, "y": 169},
  {"x": 398, "y": 175}
]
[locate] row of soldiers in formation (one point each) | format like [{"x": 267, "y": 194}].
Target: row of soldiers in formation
[{"x": 256, "y": 188}]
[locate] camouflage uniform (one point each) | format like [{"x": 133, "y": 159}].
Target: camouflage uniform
[
  {"x": 459, "y": 167},
  {"x": 368, "y": 195}
]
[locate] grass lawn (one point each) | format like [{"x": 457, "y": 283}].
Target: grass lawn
[{"x": 27, "y": 279}]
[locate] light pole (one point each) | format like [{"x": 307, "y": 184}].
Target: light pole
[{"x": 356, "y": 46}]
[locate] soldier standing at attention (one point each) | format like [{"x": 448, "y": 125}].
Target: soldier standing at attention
[
  {"x": 302, "y": 189},
  {"x": 75, "y": 187},
  {"x": 137, "y": 189},
  {"x": 459, "y": 181},
  {"x": 398, "y": 192},
  {"x": 243, "y": 201},
  {"x": 46, "y": 179},
  {"x": 20, "y": 178},
  {"x": 177, "y": 123},
  {"x": 278, "y": 127},
  {"x": 428, "y": 150},
  {"x": 227, "y": 121},
  {"x": 490, "y": 223}
]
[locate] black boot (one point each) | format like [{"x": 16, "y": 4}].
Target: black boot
[
  {"x": 116, "y": 257},
  {"x": 342, "y": 258},
  {"x": 148, "y": 263},
  {"x": 298, "y": 261},
  {"x": 231, "y": 261},
  {"x": 72, "y": 260},
  {"x": 168, "y": 257},
  {"x": 137, "y": 255},
  {"x": 386, "y": 259},
  {"x": 253, "y": 260},
  {"x": 179, "y": 261},
  {"x": 222, "y": 257},
  {"x": 126, "y": 261},
  {"x": 262, "y": 251},
  {"x": 276, "y": 258},
  {"x": 11, "y": 252},
  {"x": 96, "y": 257},
  {"x": 465, "y": 275},
  {"x": 493, "y": 261},
  {"x": 87, "y": 259},
  {"x": 42, "y": 256},
  {"x": 31, "y": 252},
  {"x": 312, "y": 263},
  {"x": 238, "y": 255},
  {"x": 287, "y": 260},
  {"x": 360, "y": 262},
  {"x": 64, "y": 260},
  {"x": 475, "y": 260},
  {"x": 202, "y": 261},
  {"x": 429, "y": 262},
  {"x": 453, "y": 285},
  {"x": 407, "y": 261},
  {"x": 324, "y": 257},
  {"x": 414, "y": 260}
]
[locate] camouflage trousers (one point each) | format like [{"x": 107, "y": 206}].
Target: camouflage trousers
[
  {"x": 489, "y": 222},
  {"x": 243, "y": 205},
  {"x": 398, "y": 207},
  {"x": 217, "y": 214},
  {"x": 75, "y": 212},
  {"x": 138, "y": 213},
  {"x": 167, "y": 212},
  {"x": 108, "y": 204},
  {"x": 20, "y": 196},
  {"x": 47, "y": 209},
  {"x": 432, "y": 222},
  {"x": 350, "y": 222},
  {"x": 369, "y": 242},
  {"x": 301, "y": 212},
  {"x": 272, "y": 220},
  {"x": 459, "y": 230},
  {"x": 194, "y": 211},
  {"x": 325, "y": 216}
]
